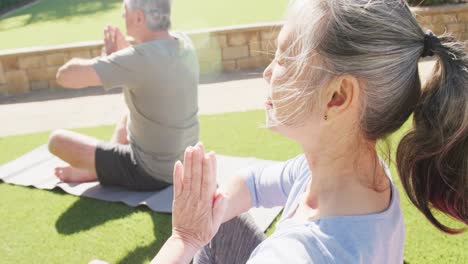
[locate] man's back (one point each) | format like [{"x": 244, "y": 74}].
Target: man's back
[{"x": 160, "y": 80}]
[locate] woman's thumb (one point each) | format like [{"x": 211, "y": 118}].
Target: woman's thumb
[{"x": 219, "y": 208}]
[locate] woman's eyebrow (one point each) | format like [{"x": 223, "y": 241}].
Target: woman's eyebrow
[{"x": 280, "y": 47}]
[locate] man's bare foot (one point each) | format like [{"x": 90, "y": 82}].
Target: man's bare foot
[{"x": 70, "y": 174}]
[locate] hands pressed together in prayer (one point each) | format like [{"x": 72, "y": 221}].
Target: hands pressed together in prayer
[
  {"x": 198, "y": 208},
  {"x": 114, "y": 40}
]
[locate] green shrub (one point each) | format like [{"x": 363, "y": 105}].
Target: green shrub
[
  {"x": 433, "y": 2},
  {"x": 6, "y": 4}
]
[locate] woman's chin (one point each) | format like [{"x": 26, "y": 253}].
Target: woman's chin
[
  {"x": 268, "y": 118},
  {"x": 271, "y": 124}
]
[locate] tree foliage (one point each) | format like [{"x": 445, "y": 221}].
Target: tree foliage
[{"x": 9, "y": 4}]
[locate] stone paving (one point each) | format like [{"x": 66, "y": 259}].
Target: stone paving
[{"x": 94, "y": 110}]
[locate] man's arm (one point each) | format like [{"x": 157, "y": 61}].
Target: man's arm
[
  {"x": 78, "y": 73},
  {"x": 120, "y": 135}
]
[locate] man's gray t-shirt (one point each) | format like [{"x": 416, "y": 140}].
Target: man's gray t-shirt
[{"x": 160, "y": 83}]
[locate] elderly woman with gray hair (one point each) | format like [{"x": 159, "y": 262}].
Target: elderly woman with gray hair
[{"x": 344, "y": 76}]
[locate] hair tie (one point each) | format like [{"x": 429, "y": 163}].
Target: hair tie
[{"x": 430, "y": 41}]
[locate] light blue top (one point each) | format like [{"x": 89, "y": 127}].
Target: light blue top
[{"x": 372, "y": 238}]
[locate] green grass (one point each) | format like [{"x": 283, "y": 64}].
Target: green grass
[
  {"x": 64, "y": 21},
  {"x": 52, "y": 227}
]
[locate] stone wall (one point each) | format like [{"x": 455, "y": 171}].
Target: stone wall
[
  {"x": 236, "y": 48},
  {"x": 25, "y": 70},
  {"x": 448, "y": 18},
  {"x": 219, "y": 49}
]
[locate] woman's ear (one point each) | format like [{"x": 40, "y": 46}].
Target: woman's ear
[
  {"x": 337, "y": 99},
  {"x": 342, "y": 94}
]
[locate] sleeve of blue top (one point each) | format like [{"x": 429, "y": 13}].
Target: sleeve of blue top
[{"x": 269, "y": 185}]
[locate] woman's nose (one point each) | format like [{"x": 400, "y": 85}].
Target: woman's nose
[{"x": 267, "y": 73}]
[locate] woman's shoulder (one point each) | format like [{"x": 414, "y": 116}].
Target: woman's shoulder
[
  {"x": 318, "y": 242},
  {"x": 299, "y": 165},
  {"x": 302, "y": 247}
]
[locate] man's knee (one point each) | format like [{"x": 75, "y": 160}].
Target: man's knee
[{"x": 56, "y": 140}]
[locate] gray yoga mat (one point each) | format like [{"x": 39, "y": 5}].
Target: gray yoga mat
[{"x": 36, "y": 169}]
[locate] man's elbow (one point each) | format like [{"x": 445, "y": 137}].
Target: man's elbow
[
  {"x": 64, "y": 76},
  {"x": 60, "y": 77},
  {"x": 77, "y": 73}
]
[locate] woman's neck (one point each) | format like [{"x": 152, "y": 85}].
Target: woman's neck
[{"x": 345, "y": 183}]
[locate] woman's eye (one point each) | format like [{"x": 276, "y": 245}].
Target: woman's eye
[{"x": 280, "y": 62}]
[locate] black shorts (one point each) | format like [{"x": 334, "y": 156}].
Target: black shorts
[{"x": 116, "y": 166}]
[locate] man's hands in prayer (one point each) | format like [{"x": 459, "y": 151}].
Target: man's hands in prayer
[{"x": 114, "y": 40}]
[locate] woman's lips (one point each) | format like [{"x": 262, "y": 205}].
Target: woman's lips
[{"x": 269, "y": 103}]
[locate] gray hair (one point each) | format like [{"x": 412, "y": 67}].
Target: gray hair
[
  {"x": 157, "y": 12},
  {"x": 380, "y": 43}
]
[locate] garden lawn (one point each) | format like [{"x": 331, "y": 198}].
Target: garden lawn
[
  {"x": 41, "y": 226},
  {"x": 64, "y": 21}
]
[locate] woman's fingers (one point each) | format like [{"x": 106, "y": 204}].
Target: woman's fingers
[
  {"x": 205, "y": 190},
  {"x": 197, "y": 172},
  {"x": 213, "y": 182},
  {"x": 178, "y": 173},
  {"x": 187, "y": 180},
  {"x": 202, "y": 147},
  {"x": 214, "y": 163},
  {"x": 219, "y": 209},
  {"x": 199, "y": 209}
]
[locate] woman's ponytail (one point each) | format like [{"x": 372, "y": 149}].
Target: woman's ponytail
[{"x": 432, "y": 159}]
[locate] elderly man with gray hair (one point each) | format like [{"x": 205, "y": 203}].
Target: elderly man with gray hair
[{"x": 159, "y": 76}]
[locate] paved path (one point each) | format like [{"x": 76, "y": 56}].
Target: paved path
[{"x": 87, "y": 111}]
